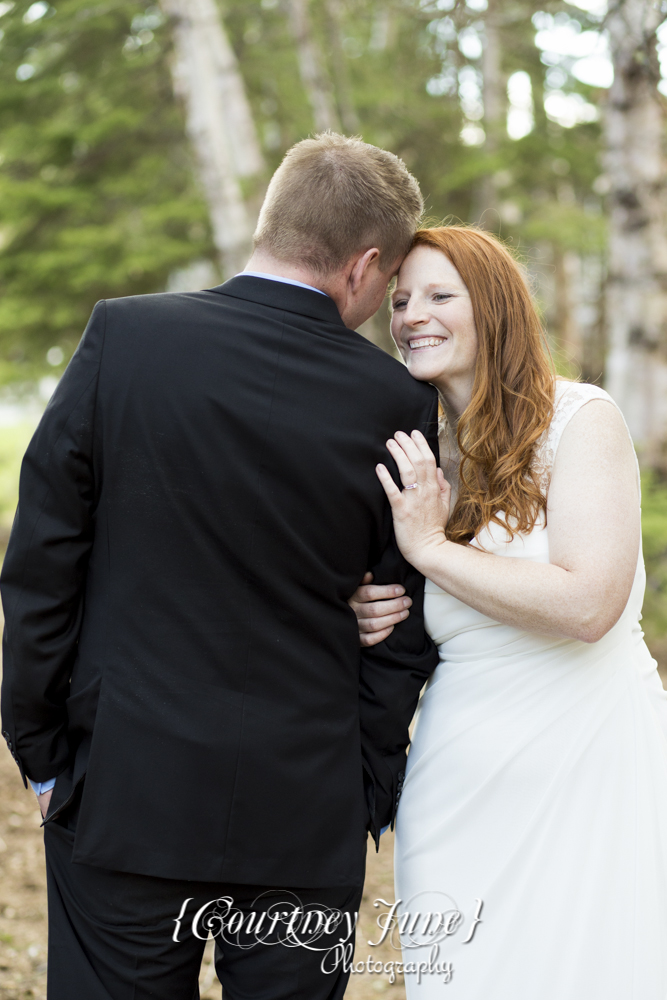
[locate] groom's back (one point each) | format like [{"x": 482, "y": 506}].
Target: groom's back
[
  {"x": 236, "y": 429},
  {"x": 236, "y": 435},
  {"x": 195, "y": 508}
]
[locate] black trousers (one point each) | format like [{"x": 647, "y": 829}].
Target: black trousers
[{"x": 118, "y": 936}]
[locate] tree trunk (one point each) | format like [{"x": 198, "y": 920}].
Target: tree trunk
[
  {"x": 569, "y": 340},
  {"x": 312, "y": 68},
  {"x": 219, "y": 122},
  {"x": 493, "y": 96},
  {"x": 344, "y": 96},
  {"x": 636, "y": 293},
  {"x": 594, "y": 347}
]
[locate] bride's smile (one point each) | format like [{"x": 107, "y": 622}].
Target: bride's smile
[
  {"x": 433, "y": 324},
  {"x": 420, "y": 343}
]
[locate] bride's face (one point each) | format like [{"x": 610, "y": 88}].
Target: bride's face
[{"x": 432, "y": 319}]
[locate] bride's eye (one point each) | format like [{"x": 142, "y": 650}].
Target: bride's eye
[
  {"x": 442, "y": 296},
  {"x": 399, "y": 304}
]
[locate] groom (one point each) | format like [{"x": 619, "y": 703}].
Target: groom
[{"x": 196, "y": 507}]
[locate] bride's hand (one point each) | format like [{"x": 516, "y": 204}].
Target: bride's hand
[
  {"x": 378, "y": 608},
  {"x": 421, "y": 508}
]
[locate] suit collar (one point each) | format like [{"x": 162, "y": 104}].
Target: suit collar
[{"x": 282, "y": 296}]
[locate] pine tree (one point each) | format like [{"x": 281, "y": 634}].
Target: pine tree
[{"x": 97, "y": 189}]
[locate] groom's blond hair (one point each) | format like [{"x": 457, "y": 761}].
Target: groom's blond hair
[{"x": 333, "y": 197}]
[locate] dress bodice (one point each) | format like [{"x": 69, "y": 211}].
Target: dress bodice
[{"x": 459, "y": 630}]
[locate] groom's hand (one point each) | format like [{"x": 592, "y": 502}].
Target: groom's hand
[
  {"x": 378, "y": 609},
  {"x": 43, "y": 801}
]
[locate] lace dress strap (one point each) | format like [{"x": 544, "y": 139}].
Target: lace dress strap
[{"x": 569, "y": 398}]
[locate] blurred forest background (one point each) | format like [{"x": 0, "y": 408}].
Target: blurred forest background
[
  {"x": 136, "y": 141},
  {"x": 137, "y": 138}
]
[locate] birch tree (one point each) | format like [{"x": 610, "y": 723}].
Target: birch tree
[
  {"x": 493, "y": 97},
  {"x": 312, "y": 67},
  {"x": 219, "y": 122},
  {"x": 636, "y": 294},
  {"x": 345, "y": 100}
]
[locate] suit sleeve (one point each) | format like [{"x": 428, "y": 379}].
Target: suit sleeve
[
  {"x": 392, "y": 675},
  {"x": 44, "y": 571}
]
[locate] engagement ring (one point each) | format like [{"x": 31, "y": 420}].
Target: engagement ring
[{"x": 413, "y": 486}]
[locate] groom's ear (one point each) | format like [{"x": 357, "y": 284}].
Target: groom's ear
[{"x": 361, "y": 265}]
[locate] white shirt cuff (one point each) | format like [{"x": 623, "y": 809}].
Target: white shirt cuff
[{"x": 39, "y": 787}]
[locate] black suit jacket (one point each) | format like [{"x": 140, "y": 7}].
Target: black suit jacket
[{"x": 197, "y": 505}]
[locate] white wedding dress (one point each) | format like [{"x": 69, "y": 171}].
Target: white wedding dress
[{"x": 536, "y": 783}]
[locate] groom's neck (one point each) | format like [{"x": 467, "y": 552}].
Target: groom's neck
[
  {"x": 267, "y": 264},
  {"x": 357, "y": 288}
]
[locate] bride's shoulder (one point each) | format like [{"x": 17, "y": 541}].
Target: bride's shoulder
[
  {"x": 569, "y": 399},
  {"x": 570, "y": 396}
]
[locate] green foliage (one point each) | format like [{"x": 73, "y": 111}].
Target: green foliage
[
  {"x": 97, "y": 197},
  {"x": 97, "y": 189},
  {"x": 401, "y": 78}
]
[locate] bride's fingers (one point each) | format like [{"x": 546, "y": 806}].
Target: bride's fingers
[
  {"x": 405, "y": 469},
  {"x": 381, "y": 608},
  {"x": 364, "y": 596},
  {"x": 424, "y": 448},
  {"x": 373, "y": 625},
  {"x": 414, "y": 456},
  {"x": 372, "y": 638},
  {"x": 390, "y": 487}
]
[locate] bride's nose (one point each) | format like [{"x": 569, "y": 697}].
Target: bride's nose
[{"x": 416, "y": 314}]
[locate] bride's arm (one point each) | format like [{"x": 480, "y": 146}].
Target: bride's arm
[{"x": 593, "y": 518}]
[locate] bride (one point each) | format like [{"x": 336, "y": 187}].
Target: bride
[{"x": 535, "y": 798}]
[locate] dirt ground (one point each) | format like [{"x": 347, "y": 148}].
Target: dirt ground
[{"x": 22, "y": 889}]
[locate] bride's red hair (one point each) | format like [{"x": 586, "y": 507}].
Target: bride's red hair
[{"x": 513, "y": 392}]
